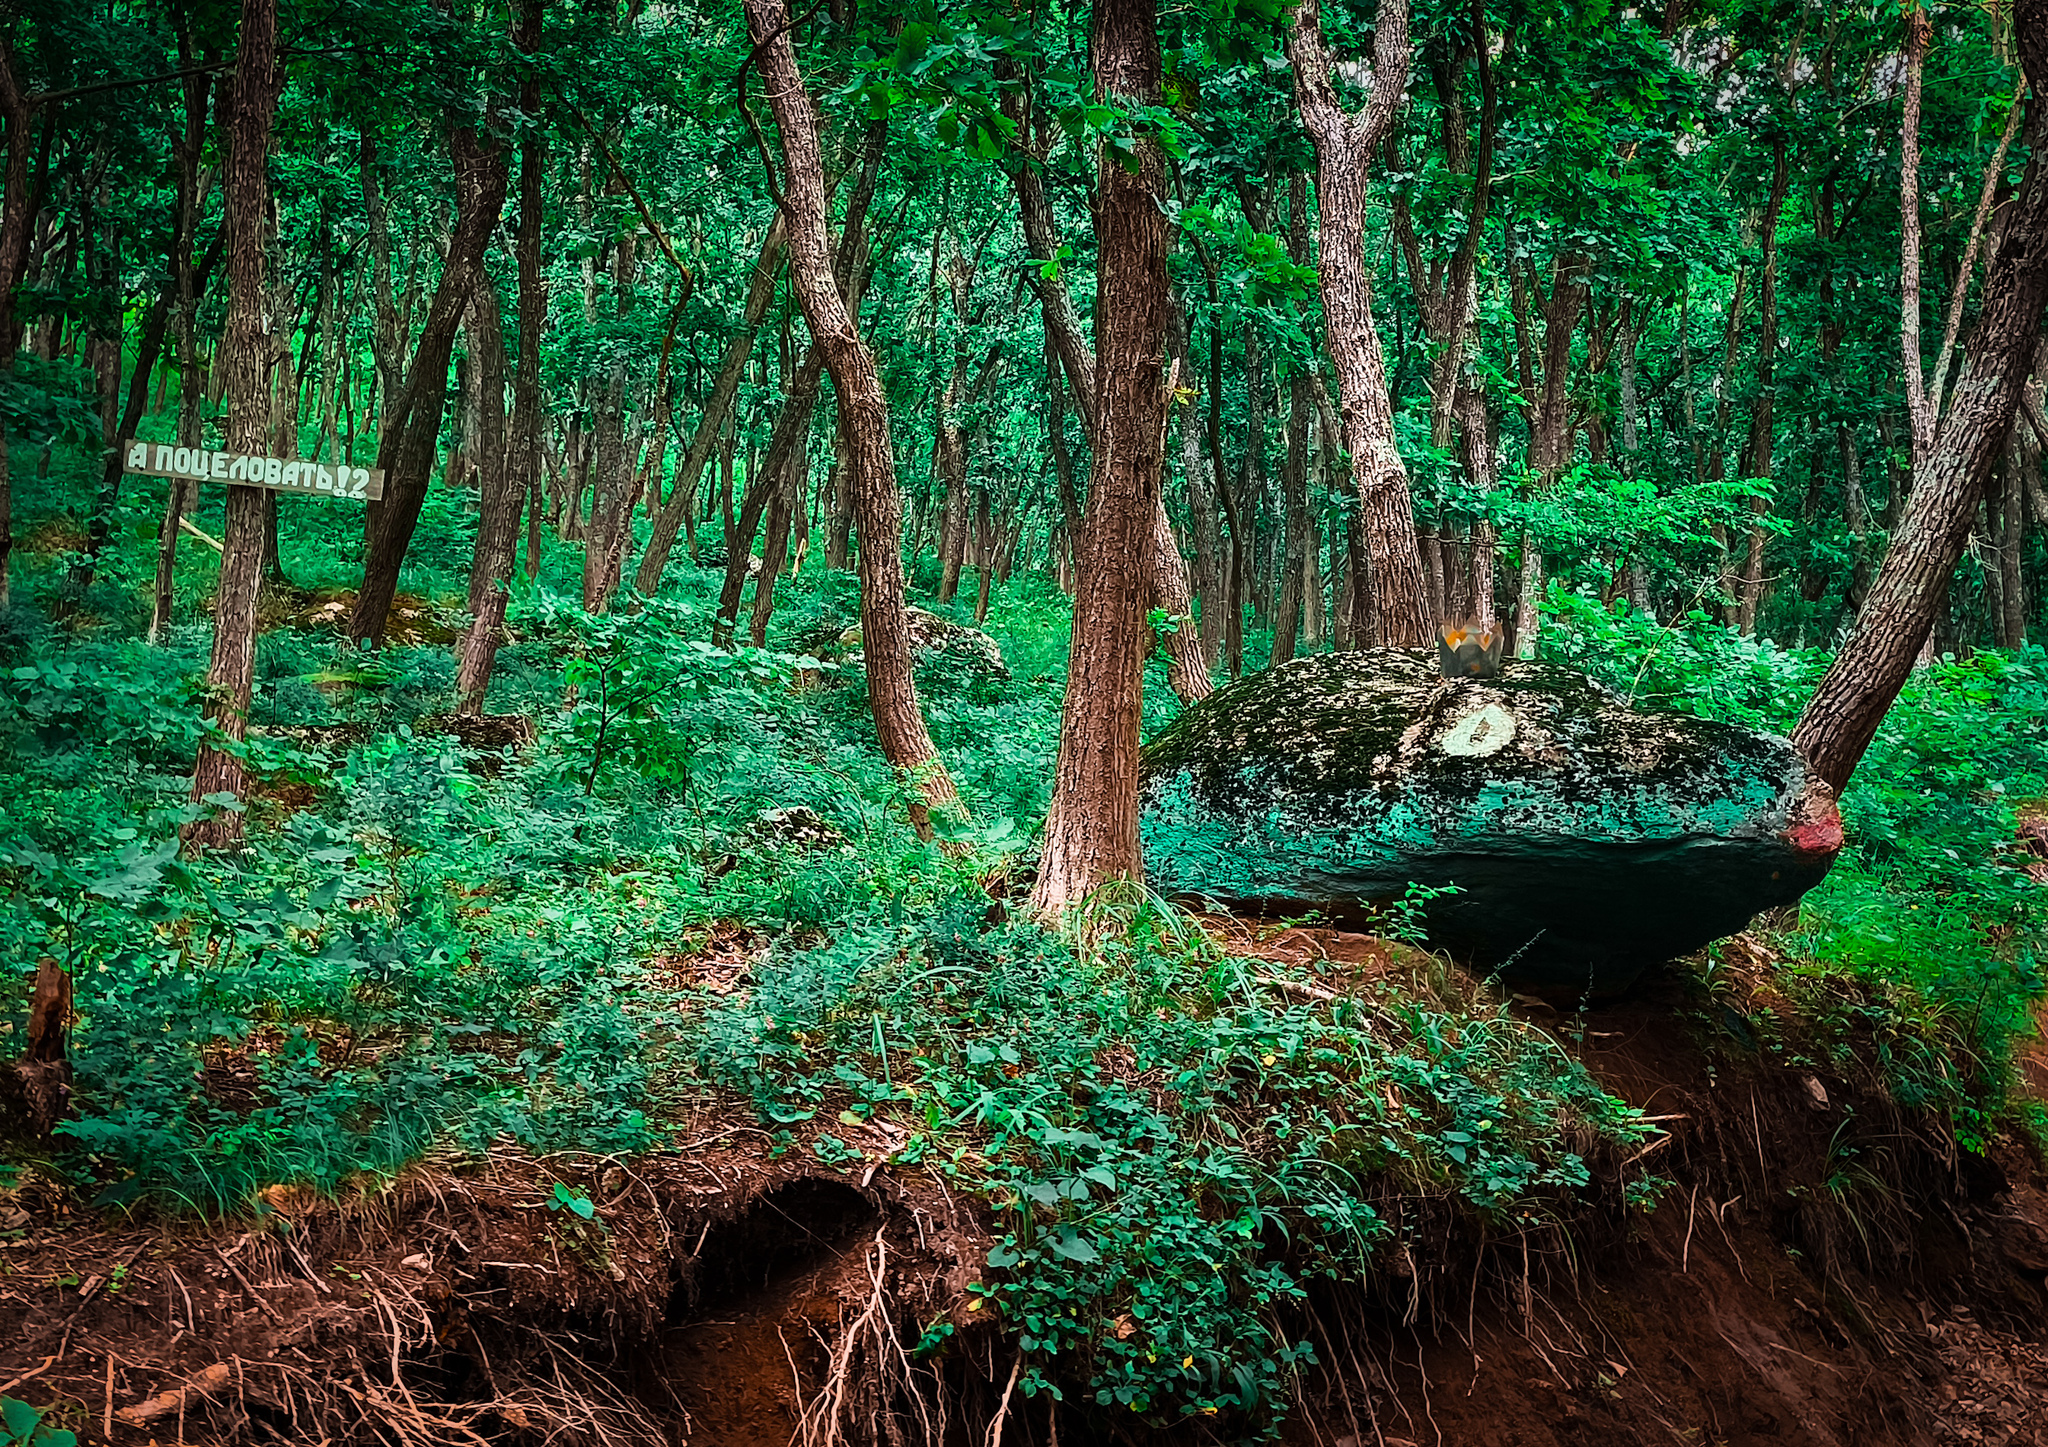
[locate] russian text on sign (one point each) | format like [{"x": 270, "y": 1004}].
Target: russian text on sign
[{"x": 283, "y": 474}]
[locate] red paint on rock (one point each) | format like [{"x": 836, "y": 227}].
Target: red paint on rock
[{"x": 1816, "y": 827}]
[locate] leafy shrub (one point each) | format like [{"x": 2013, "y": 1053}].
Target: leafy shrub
[
  {"x": 1920, "y": 953},
  {"x": 1169, "y": 1144}
]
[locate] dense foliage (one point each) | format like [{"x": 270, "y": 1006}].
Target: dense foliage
[
  {"x": 431, "y": 947},
  {"x": 665, "y": 879}
]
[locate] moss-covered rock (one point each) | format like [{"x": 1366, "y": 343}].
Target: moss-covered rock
[
  {"x": 1586, "y": 839},
  {"x": 936, "y": 643}
]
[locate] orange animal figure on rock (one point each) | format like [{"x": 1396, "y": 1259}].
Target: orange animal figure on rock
[{"x": 1470, "y": 650}]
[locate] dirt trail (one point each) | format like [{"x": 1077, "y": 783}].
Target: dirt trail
[{"x": 1822, "y": 1272}]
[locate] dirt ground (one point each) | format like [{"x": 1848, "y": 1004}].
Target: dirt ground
[{"x": 1822, "y": 1272}]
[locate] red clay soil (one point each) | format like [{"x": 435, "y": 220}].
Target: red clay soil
[
  {"x": 464, "y": 1305},
  {"x": 1821, "y": 1272}
]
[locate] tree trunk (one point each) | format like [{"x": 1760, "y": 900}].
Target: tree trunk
[
  {"x": 412, "y": 419},
  {"x": 789, "y": 443},
  {"x": 984, "y": 555},
  {"x": 198, "y": 91},
  {"x": 500, "y": 497},
  {"x": 1762, "y": 418},
  {"x": 148, "y": 348},
  {"x": 611, "y": 501},
  {"x": 1873, "y": 665},
  {"x": 1362, "y": 628},
  {"x": 785, "y": 497},
  {"x": 1294, "y": 495},
  {"x": 1091, "y": 832},
  {"x": 17, "y": 226},
  {"x": 950, "y": 444},
  {"x": 1482, "y": 465},
  {"x": 1345, "y": 145},
  {"x": 877, "y": 505},
  {"x": 677, "y": 510},
  {"x": 787, "y": 448},
  {"x": 1187, "y": 671},
  {"x": 1547, "y": 407},
  {"x": 1920, "y": 411},
  {"x": 839, "y": 534},
  {"x": 1171, "y": 590},
  {"x": 230, "y": 674},
  {"x": 518, "y": 473},
  {"x": 389, "y": 323},
  {"x": 2011, "y": 540}
]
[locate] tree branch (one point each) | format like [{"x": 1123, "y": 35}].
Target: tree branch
[{"x": 1994, "y": 169}]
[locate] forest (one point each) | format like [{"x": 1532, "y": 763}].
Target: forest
[{"x": 965, "y": 721}]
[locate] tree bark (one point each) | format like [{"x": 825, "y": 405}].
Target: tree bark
[
  {"x": 1871, "y": 667},
  {"x": 1762, "y": 417},
  {"x": 2010, "y": 541},
  {"x": 500, "y": 497},
  {"x": 1294, "y": 467},
  {"x": 1920, "y": 414},
  {"x": 230, "y": 674},
  {"x": 412, "y": 419},
  {"x": 950, "y": 445},
  {"x": 1547, "y": 404},
  {"x": 518, "y": 474},
  {"x": 877, "y": 504},
  {"x": 1171, "y": 588},
  {"x": 1482, "y": 466},
  {"x": 784, "y": 500},
  {"x": 611, "y": 500},
  {"x": 839, "y": 532},
  {"x": 148, "y": 348},
  {"x": 786, "y": 444},
  {"x": 1091, "y": 832},
  {"x": 17, "y": 226},
  {"x": 1345, "y": 145},
  {"x": 198, "y": 92}
]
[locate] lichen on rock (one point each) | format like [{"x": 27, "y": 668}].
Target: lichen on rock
[
  {"x": 934, "y": 642},
  {"x": 1586, "y": 838}
]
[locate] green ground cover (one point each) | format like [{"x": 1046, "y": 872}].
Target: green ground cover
[{"x": 432, "y": 948}]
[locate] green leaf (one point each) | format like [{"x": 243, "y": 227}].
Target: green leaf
[{"x": 1075, "y": 1247}]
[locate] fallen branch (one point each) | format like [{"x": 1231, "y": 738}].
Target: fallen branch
[
  {"x": 1299, "y": 987},
  {"x": 209, "y": 539}
]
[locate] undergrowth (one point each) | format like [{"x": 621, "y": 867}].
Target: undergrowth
[
  {"x": 1918, "y": 961},
  {"x": 431, "y": 946}
]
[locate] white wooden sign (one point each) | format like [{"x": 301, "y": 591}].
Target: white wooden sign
[{"x": 284, "y": 474}]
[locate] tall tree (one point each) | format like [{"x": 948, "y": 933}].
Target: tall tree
[
  {"x": 675, "y": 514},
  {"x": 864, "y": 410},
  {"x": 412, "y": 419},
  {"x": 1091, "y": 833},
  {"x": 1898, "y": 616},
  {"x": 230, "y": 674},
  {"x": 1345, "y": 146},
  {"x": 1756, "y": 457},
  {"x": 1171, "y": 590},
  {"x": 189, "y": 146},
  {"x": 17, "y": 220}
]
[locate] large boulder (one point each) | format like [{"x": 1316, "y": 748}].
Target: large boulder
[
  {"x": 1586, "y": 839},
  {"x": 946, "y": 649}
]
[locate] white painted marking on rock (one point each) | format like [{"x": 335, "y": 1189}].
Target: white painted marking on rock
[{"x": 1486, "y": 730}]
